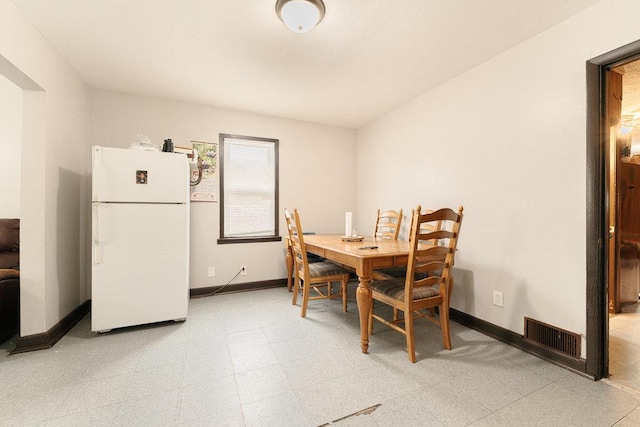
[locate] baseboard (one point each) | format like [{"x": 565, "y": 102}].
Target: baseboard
[
  {"x": 516, "y": 340},
  {"x": 48, "y": 339},
  {"x": 240, "y": 287}
]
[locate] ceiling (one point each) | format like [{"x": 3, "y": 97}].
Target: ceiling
[{"x": 365, "y": 58}]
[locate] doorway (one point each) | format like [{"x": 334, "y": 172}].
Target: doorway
[
  {"x": 10, "y": 178},
  {"x": 606, "y": 146},
  {"x": 623, "y": 115},
  {"x": 10, "y": 146}
]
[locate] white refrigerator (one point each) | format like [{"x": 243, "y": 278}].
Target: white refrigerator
[{"x": 140, "y": 237}]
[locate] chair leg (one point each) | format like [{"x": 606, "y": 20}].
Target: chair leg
[
  {"x": 444, "y": 326},
  {"x": 395, "y": 314},
  {"x": 296, "y": 289},
  {"x": 370, "y": 325},
  {"x": 305, "y": 298},
  {"x": 408, "y": 327},
  {"x": 343, "y": 287},
  {"x": 444, "y": 315}
]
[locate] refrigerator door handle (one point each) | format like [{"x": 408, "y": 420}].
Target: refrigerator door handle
[
  {"x": 97, "y": 160},
  {"x": 97, "y": 246}
]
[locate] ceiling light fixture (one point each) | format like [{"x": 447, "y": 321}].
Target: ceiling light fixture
[
  {"x": 300, "y": 16},
  {"x": 628, "y": 122}
]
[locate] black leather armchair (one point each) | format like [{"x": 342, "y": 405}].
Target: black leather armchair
[{"x": 9, "y": 278}]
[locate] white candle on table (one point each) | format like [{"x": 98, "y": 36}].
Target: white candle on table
[{"x": 348, "y": 222}]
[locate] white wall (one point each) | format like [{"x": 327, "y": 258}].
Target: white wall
[
  {"x": 317, "y": 174},
  {"x": 10, "y": 147},
  {"x": 506, "y": 140},
  {"x": 53, "y": 173}
]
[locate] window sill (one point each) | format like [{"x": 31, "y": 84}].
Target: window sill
[{"x": 230, "y": 240}]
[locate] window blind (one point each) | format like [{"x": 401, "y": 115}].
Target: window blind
[{"x": 249, "y": 188}]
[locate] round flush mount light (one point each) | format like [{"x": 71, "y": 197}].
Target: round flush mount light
[{"x": 300, "y": 16}]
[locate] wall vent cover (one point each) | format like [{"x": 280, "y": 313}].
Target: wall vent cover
[{"x": 552, "y": 337}]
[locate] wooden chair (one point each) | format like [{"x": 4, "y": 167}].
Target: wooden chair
[
  {"x": 312, "y": 276},
  {"x": 388, "y": 225},
  {"x": 412, "y": 295},
  {"x": 400, "y": 272},
  {"x": 289, "y": 259}
]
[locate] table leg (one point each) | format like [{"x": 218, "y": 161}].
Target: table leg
[
  {"x": 363, "y": 296},
  {"x": 289, "y": 262}
]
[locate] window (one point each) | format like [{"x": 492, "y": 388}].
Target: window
[{"x": 248, "y": 189}]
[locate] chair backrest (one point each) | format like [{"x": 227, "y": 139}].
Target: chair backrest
[
  {"x": 388, "y": 224},
  {"x": 436, "y": 260},
  {"x": 288, "y": 217},
  {"x": 431, "y": 226},
  {"x": 9, "y": 243},
  {"x": 427, "y": 227},
  {"x": 297, "y": 240}
]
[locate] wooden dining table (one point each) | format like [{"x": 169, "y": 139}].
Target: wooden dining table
[{"x": 364, "y": 256}]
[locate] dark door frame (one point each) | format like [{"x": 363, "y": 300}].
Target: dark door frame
[{"x": 597, "y": 363}]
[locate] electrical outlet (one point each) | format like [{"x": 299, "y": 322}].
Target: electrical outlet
[
  {"x": 243, "y": 270},
  {"x": 497, "y": 299},
  {"x": 212, "y": 271}
]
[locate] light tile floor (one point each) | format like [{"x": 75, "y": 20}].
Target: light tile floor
[
  {"x": 248, "y": 359},
  {"x": 624, "y": 348}
]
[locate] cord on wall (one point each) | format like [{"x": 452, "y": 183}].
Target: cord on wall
[{"x": 225, "y": 285}]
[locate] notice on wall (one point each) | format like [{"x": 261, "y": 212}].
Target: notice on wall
[{"x": 204, "y": 176}]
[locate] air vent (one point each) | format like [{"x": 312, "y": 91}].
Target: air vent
[{"x": 552, "y": 337}]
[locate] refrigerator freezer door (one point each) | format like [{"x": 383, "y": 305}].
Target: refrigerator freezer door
[
  {"x": 140, "y": 257},
  {"x": 122, "y": 175}
]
